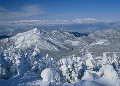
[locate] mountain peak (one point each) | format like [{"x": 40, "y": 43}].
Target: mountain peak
[{"x": 35, "y": 29}]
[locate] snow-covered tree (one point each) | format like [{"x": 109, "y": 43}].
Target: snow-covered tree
[
  {"x": 109, "y": 75},
  {"x": 5, "y": 66},
  {"x": 72, "y": 68},
  {"x": 105, "y": 59},
  {"x": 36, "y": 55},
  {"x": 90, "y": 62},
  {"x": 49, "y": 61},
  {"x": 50, "y": 75},
  {"x": 36, "y": 62},
  {"x": 21, "y": 56}
]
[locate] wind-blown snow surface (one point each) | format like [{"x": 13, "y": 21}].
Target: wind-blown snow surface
[{"x": 58, "y": 58}]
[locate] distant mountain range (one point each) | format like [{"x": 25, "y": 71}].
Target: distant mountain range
[{"x": 11, "y": 28}]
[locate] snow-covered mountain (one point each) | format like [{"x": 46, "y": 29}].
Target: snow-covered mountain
[
  {"x": 38, "y": 57},
  {"x": 47, "y": 41},
  {"x": 43, "y": 39},
  {"x": 111, "y": 33}
]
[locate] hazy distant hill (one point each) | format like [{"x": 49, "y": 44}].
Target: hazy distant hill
[{"x": 10, "y": 28}]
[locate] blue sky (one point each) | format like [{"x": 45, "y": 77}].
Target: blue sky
[{"x": 59, "y": 9}]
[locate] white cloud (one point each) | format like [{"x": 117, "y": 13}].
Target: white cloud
[
  {"x": 90, "y": 19},
  {"x": 38, "y": 22},
  {"x": 25, "y": 11},
  {"x": 86, "y": 19}
]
